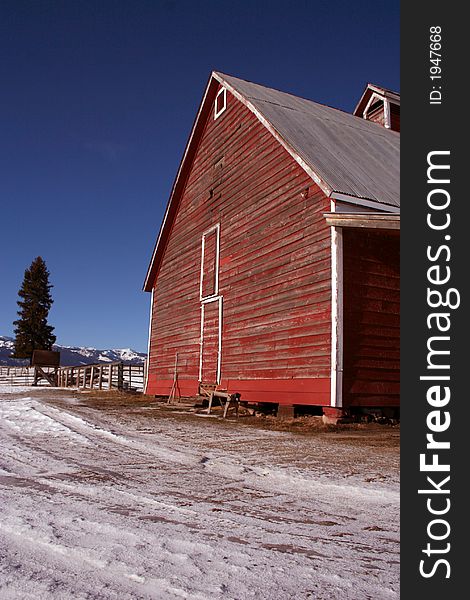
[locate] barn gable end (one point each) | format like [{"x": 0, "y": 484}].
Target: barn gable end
[{"x": 273, "y": 262}]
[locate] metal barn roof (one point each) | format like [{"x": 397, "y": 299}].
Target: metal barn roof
[{"x": 350, "y": 155}]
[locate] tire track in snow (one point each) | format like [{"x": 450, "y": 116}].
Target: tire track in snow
[{"x": 210, "y": 527}]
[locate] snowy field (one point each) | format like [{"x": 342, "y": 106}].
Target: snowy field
[{"x": 135, "y": 502}]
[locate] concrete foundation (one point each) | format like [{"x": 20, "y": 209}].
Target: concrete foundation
[
  {"x": 333, "y": 416},
  {"x": 285, "y": 411}
]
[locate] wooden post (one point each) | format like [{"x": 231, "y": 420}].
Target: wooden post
[
  {"x": 211, "y": 397},
  {"x": 100, "y": 377},
  {"x": 120, "y": 376},
  {"x": 175, "y": 384},
  {"x": 110, "y": 382},
  {"x": 92, "y": 376}
]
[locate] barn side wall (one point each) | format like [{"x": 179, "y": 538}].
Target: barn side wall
[
  {"x": 371, "y": 319},
  {"x": 274, "y": 270}
]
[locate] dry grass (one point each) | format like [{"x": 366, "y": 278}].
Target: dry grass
[{"x": 371, "y": 434}]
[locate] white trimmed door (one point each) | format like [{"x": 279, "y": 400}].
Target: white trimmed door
[
  {"x": 211, "y": 340},
  {"x": 211, "y": 308}
]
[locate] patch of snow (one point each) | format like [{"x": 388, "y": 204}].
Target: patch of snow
[
  {"x": 103, "y": 358},
  {"x": 6, "y": 388},
  {"x": 112, "y": 505},
  {"x": 74, "y": 355}
]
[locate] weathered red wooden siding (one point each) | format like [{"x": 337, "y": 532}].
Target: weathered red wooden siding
[
  {"x": 377, "y": 115},
  {"x": 274, "y": 275},
  {"x": 395, "y": 117},
  {"x": 371, "y": 319}
]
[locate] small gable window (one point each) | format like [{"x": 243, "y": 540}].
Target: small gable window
[{"x": 220, "y": 102}]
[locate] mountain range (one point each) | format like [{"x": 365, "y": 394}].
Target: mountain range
[{"x": 74, "y": 355}]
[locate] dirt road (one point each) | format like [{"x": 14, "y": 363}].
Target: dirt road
[{"x": 119, "y": 498}]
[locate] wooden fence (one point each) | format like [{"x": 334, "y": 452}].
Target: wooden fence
[
  {"x": 18, "y": 376},
  {"x": 105, "y": 376}
]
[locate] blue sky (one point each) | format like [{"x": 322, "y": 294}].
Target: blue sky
[{"x": 97, "y": 102}]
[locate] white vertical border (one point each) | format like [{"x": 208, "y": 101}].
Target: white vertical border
[
  {"x": 218, "y": 299},
  {"x": 336, "y": 398},
  {"x": 387, "y": 116},
  {"x": 386, "y": 105},
  {"x": 215, "y": 228},
  {"x": 219, "y": 351},
  {"x": 148, "y": 344},
  {"x": 218, "y": 111}
]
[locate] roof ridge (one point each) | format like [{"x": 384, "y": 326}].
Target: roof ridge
[
  {"x": 382, "y": 87},
  {"x": 266, "y": 87}
]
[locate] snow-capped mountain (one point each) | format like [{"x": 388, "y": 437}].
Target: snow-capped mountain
[{"x": 74, "y": 355}]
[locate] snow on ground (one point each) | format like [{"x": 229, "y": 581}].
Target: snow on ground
[
  {"x": 6, "y": 388},
  {"x": 121, "y": 504}
]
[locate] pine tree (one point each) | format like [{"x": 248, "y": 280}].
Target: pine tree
[{"x": 31, "y": 329}]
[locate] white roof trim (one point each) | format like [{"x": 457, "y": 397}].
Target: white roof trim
[
  {"x": 392, "y": 97},
  {"x": 362, "y": 202}
]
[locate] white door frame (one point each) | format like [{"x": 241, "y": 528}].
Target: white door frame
[
  {"x": 216, "y": 229},
  {"x": 218, "y": 299}
]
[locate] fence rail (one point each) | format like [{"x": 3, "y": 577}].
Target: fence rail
[
  {"x": 17, "y": 376},
  {"x": 103, "y": 376}
]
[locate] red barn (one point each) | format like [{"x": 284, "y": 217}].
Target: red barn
[{"x": 276, "y": 270}]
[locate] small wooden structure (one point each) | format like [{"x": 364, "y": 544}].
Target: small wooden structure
[
  {"x": 46, "y": 365},
  {"x": 226, "y": 400}
]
